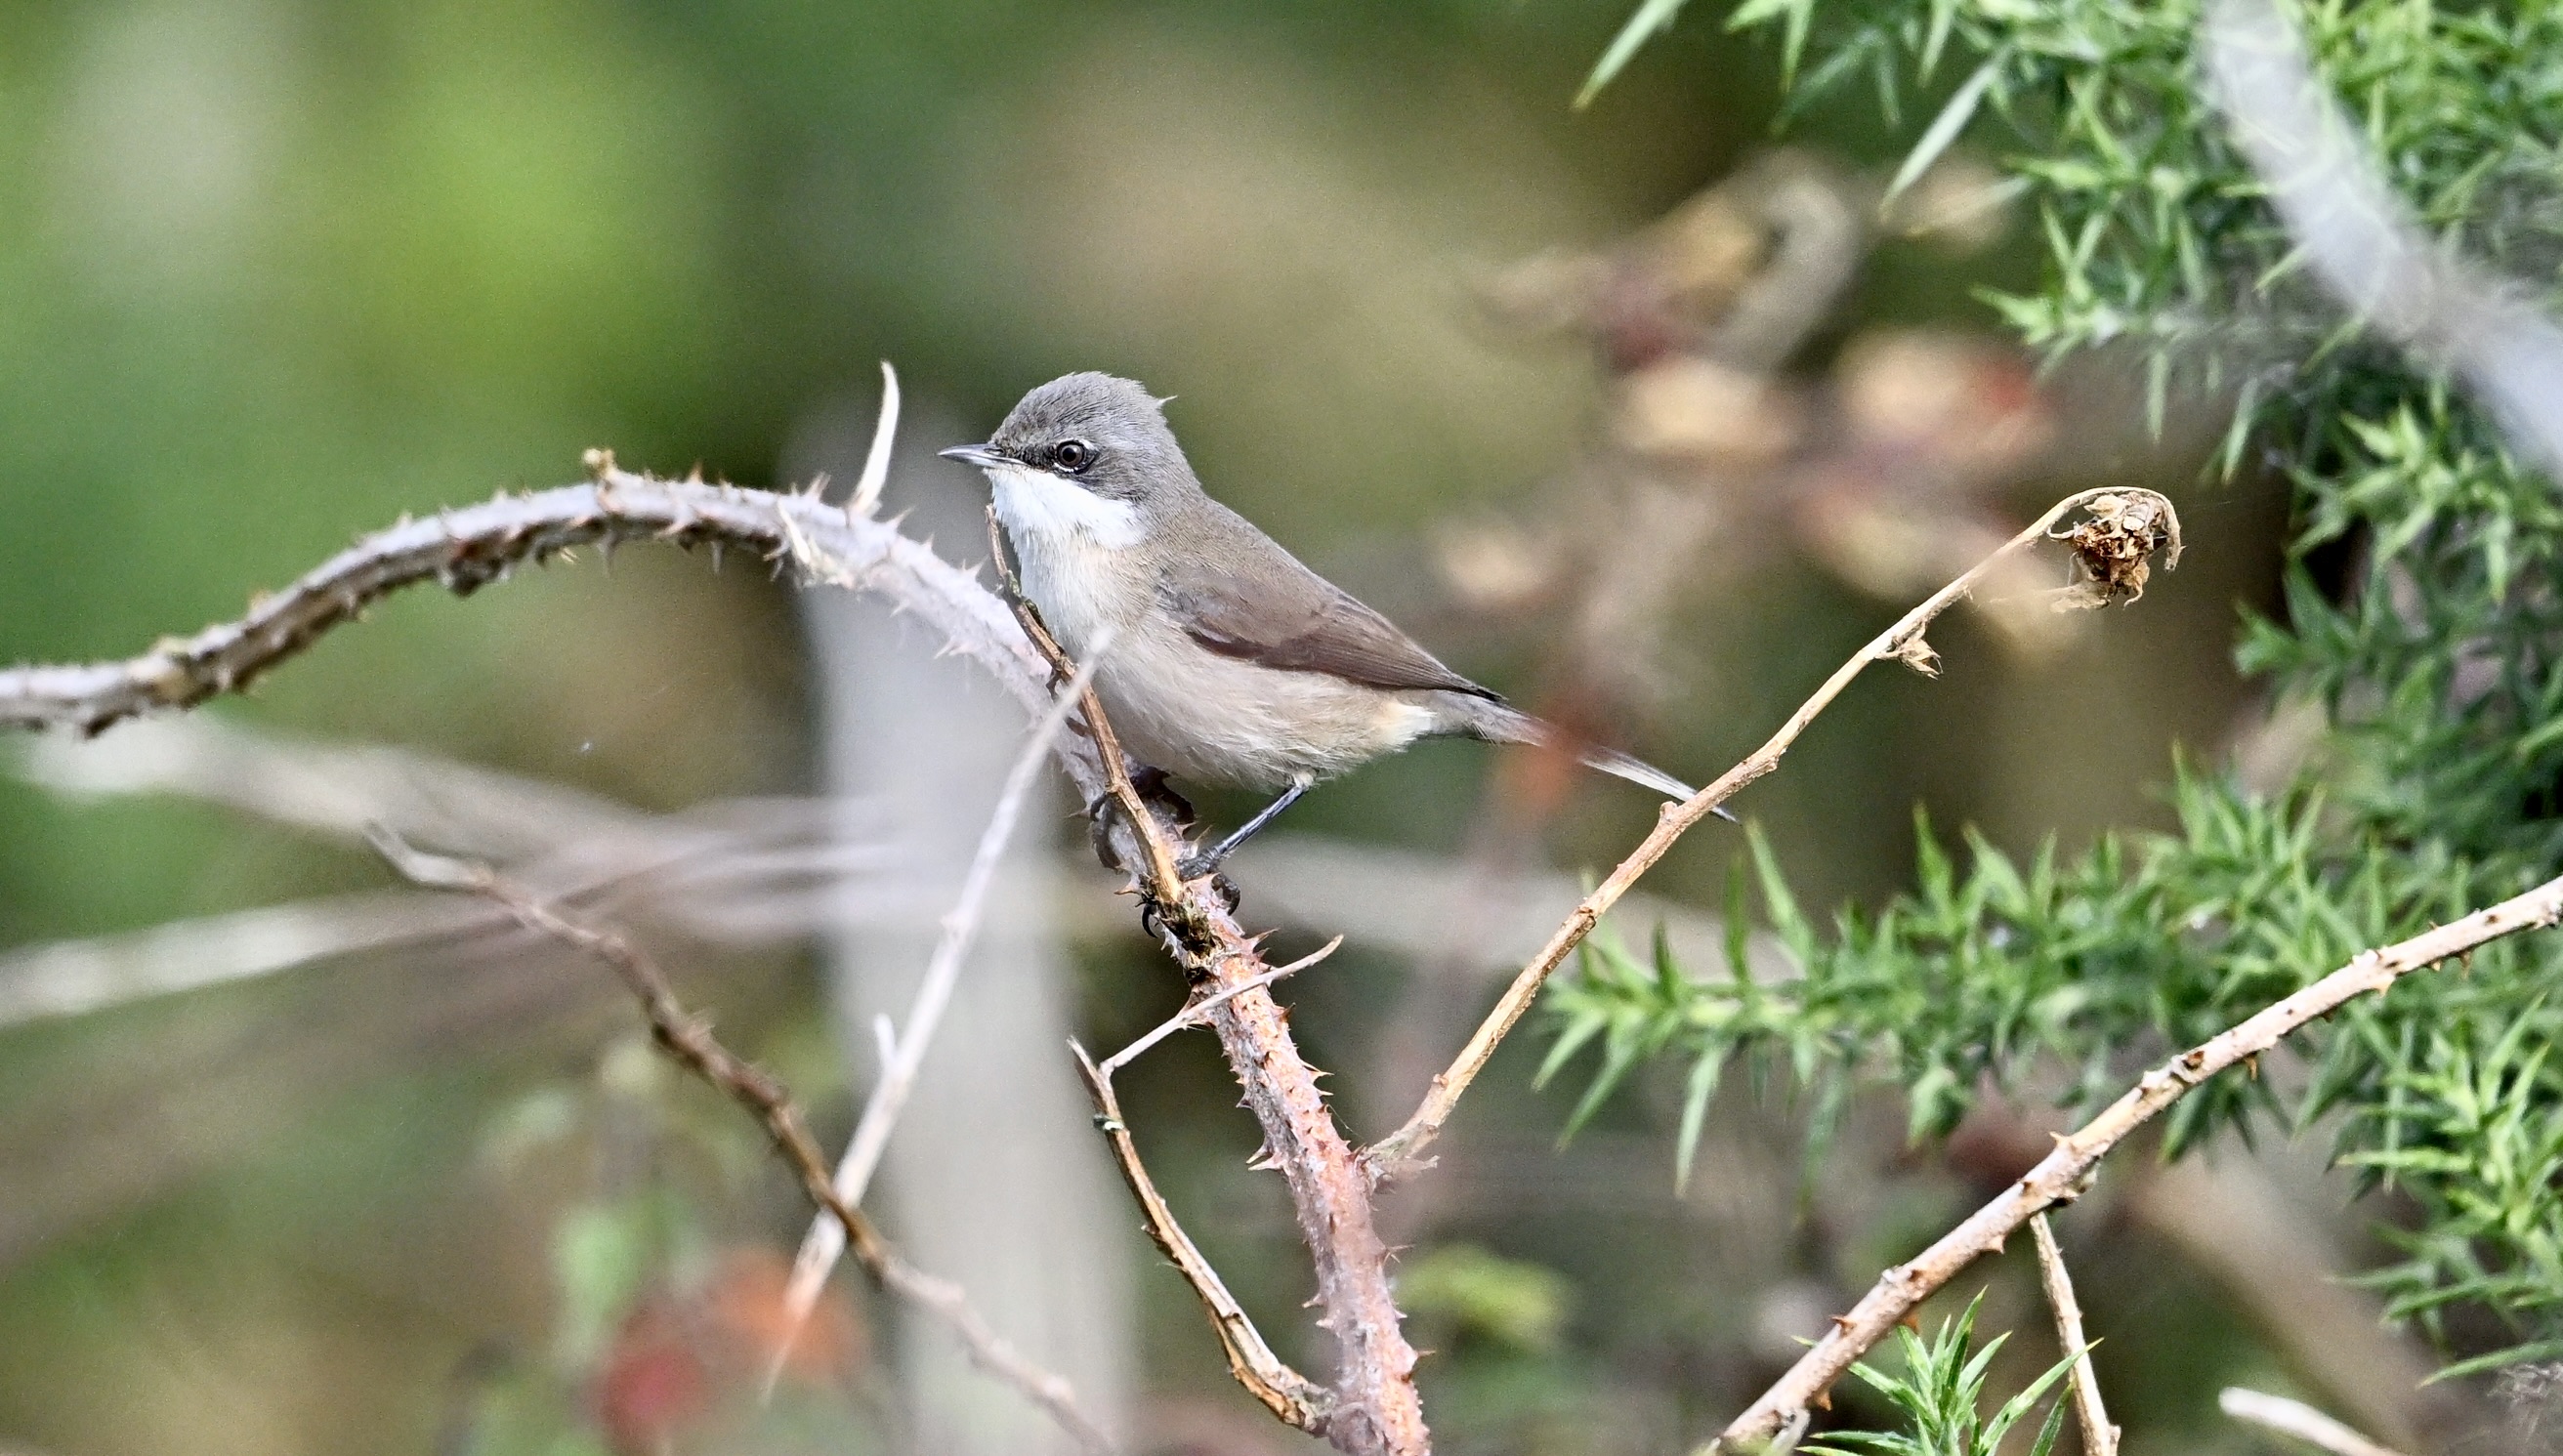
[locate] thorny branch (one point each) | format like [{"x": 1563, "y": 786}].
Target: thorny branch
[
  {"x": 2122, "y": 521},
  {"x": 2100, "y": 1437},
  {"x": 1291, "y": 1396},
  {"x": 688, "y": 1039},
  {"x": 2059, "y": 1177},
  {"x": 466, "y": 549},
  {"x": 1373, "y": 1407}
]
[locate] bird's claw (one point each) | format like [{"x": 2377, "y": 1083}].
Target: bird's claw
[{"x": 1160, "y": 796}]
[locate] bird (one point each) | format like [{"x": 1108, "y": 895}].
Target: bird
[{"x": 1226, "y": 659}]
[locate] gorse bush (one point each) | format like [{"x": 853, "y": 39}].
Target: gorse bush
[
  {"x": 1940, "y": 1391},
  {"x": 2422, "y": 614}
]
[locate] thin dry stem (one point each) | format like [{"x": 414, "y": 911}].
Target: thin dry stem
[
  {"x": 1400, "y": 1151},
  {"x": 906, "y": 1055},
  {"x": 2059, "y": 1177},
  {"x": 868, "y": 486},
  {"x": 2297, "y": 1419},
  {"x": 689, "y": 1039},
  {"x": 1198, "y": 1013},
  {"x": 1290, "y": 1396},
  {"x": 2100, "y": 1438}
]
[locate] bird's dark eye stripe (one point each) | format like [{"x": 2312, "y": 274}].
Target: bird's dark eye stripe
[{"x": 1072, "y": 456}]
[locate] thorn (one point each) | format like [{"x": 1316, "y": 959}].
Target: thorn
[
  {"x": 1842, "y": 1323},
  {"x": 598, "y": 460}
]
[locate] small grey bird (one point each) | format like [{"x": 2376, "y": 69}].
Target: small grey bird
[{"x": 1230, "y": 662}]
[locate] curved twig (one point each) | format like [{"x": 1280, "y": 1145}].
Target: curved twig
[
  {"x": 2297, "y": 1419},
  {"x": 1290, "y": 1396},
  {"x": 466, "y": 549},
  {"x": 2122, "y": 517}
]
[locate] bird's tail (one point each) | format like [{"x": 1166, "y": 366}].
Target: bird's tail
[{"x": 1503, "y": 723}]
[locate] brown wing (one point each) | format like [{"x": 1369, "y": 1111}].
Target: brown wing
[{"x": 1298, "y": 620}]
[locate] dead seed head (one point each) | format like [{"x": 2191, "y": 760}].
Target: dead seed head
[{"x": 2113, "y": 548}]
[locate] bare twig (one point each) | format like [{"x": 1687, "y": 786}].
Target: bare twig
[
  {"x": 1399, "y": 1152},
  {"x": 868, "y": 486},
  {"x": 2059, "y": 1177},
  {"x": 728, "y": 873},
  {"x": 2100, "y": 1438},
  {"x": 906, "y": 1055},
  {"x": 2280, "y": 1264},
  {"x": 1284, "y": 1391},
  {"x": 1198, "y": 1013},
  {"x": 1290, "y": 1396},
  {"x": 688, "y": 1039},
  {"x": 2298, "y": 1419}
]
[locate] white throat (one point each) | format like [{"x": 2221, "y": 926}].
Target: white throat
[{"x": 1037, "y": 505}]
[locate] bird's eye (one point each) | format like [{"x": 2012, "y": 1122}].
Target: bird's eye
[{"x": 1072, "y": 456}]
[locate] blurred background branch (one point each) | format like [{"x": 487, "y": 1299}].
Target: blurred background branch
[{"x": 687, "y": 1036}]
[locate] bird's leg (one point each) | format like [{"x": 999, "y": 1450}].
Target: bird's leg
[{"x": 1209, "y": 859}]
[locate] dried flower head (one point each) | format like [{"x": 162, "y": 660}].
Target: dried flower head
[{"x": 2115, "y": 546}]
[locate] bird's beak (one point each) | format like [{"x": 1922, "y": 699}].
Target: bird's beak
[{"x": 973, "y": 455}]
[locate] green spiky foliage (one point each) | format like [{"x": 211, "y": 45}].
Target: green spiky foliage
[
  {"x": 1941, "y": 1392},
  {"x": 2422, "y": 614}
]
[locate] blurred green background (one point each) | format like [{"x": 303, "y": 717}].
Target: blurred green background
[{"x": 273, "y": 273}]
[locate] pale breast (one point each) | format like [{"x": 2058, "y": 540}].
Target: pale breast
[{"x": 1071, "y": 549}]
